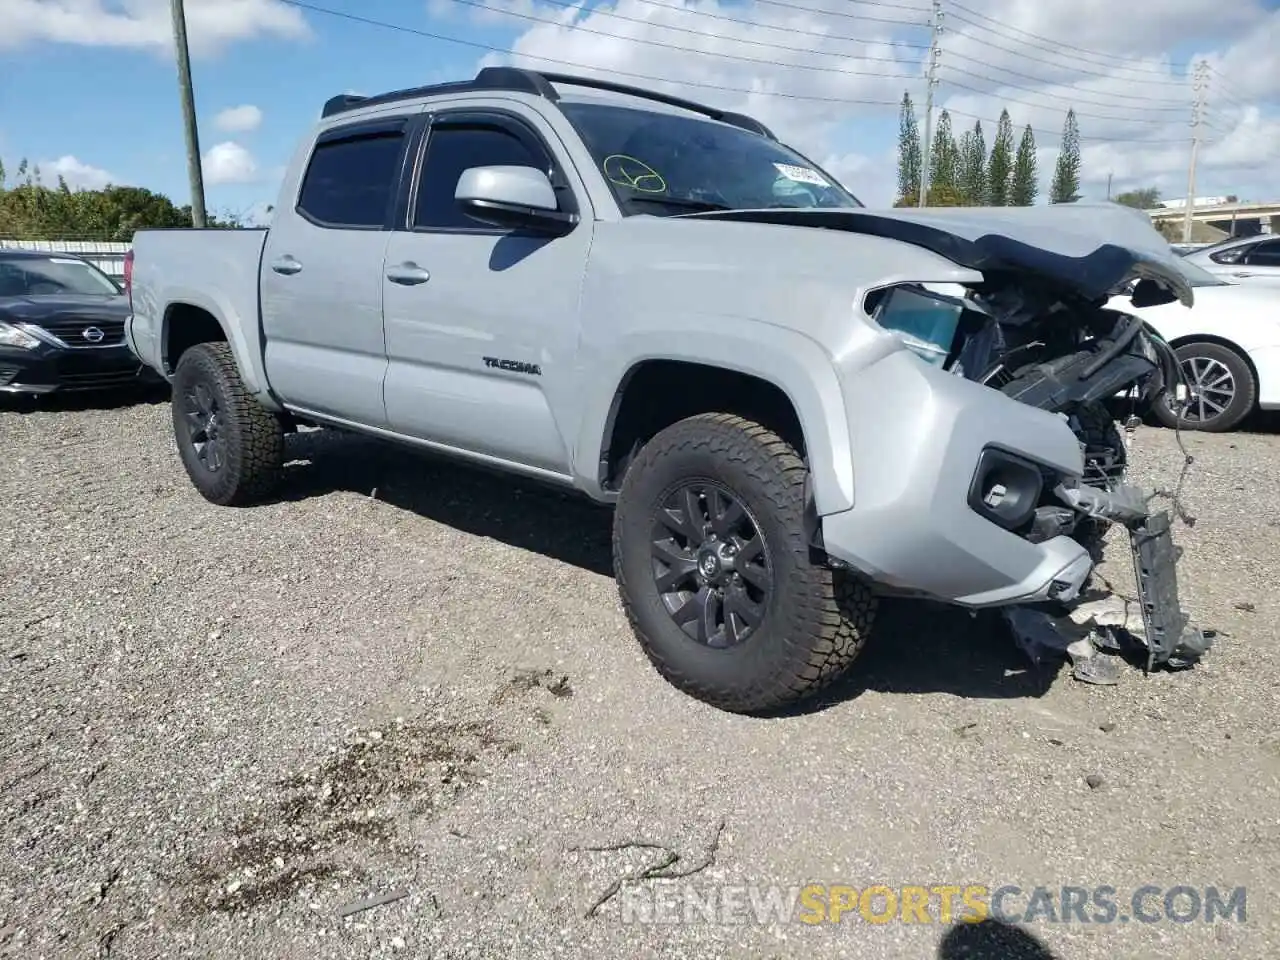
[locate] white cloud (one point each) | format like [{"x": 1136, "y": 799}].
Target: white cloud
[
  {"x": 77, "y": 174},
  {"x": 242, "y": 119},
  {"x": 1034, "y": 58},
  {"x": 146, "y": 24},
  {"x": 228, "y": 162}
]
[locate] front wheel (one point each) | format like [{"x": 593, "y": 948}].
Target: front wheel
[
  {"x": 717, "y": 575},
  {"x": 1220, "y": 389},
  {"x": 232, "y": 448}
]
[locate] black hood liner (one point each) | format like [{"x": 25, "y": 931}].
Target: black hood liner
[{"x": 1094, "y": 276}]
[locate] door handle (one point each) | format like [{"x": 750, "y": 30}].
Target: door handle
[
  {"x": 286, "y": 265},
  {"x": 1242, "y": 273},
  {"x": 408, "y": 273}
]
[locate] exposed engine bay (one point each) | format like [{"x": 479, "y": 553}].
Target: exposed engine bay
[{"x": 1070, "y": 355}]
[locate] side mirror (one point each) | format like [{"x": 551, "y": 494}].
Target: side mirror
[{"x": 512, "y": 198}]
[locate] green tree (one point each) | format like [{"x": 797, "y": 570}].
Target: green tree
[
  {"x": 1144, "y": 198},
  {"x": 939, "y": 196},
  {"x": 973, "y": 166},
  {"x": 31, "y": 209},
  {"x": 1024, "y": 185},
  {"x": 1066, "y": 173},
  {"x": 944, "y": 160},
  {"x": 908, "y": 149},
  {"x": 1000, "y": 164}
]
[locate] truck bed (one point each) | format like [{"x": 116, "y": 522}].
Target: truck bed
[{"x": 212, "y": 269}]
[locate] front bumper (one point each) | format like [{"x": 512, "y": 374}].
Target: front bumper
[
  {"x": 47, "y": 369},
  {"x": 918, "y": 436}
]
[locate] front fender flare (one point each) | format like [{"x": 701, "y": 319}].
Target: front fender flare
[{"x": 789, "y": 360}]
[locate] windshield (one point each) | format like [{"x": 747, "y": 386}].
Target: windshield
[
  {"x": 665, "y": 164},
  {"x": 52, "y": 276}
]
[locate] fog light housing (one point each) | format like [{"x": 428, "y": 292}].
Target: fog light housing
[{"x": 1005, "y": 488}]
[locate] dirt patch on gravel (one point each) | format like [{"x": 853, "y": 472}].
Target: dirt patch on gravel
[{"x": 348, "y": 805}]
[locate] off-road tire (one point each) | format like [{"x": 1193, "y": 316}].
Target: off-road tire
[
  {"x": 817, "y": 621},
  {"x": 1241, "y": 405},
  {"x": 253, "y": 437}
]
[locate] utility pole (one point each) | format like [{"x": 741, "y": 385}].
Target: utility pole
[
  {"x": 1109, "y": 176},
  {"x": 935, "y": 54},
  {"x": 194, "y": 173},
  {"x": 1200, "y": 85}
]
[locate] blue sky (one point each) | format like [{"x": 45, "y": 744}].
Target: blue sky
[{"x": 98, "y": 96}]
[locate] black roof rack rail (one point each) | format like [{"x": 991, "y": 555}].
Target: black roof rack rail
[
  {"x": 489, "y": 78},
  {"x": 539, "y": 84},
  {"x": 724, "y": 116}
]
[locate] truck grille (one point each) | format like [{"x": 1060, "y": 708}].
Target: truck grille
[{"x": 79, "y": 331}]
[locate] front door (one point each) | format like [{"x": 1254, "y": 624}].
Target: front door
[
  {"x": 322, "y": 274},
  {"x": 482, "y": 323}
]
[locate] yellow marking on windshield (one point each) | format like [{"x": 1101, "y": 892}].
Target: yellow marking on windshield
[{"x": 633, "y": 174}]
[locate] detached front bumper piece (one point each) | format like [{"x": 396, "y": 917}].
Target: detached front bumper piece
[{"x": 1169, "y": 636}]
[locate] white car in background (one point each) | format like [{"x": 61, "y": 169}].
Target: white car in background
[
  {"x": 1246, "y": 260},
  {"x": 1228, "y": 344}
]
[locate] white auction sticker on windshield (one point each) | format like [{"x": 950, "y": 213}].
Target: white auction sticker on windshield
[{"x": 801, "y": 174}]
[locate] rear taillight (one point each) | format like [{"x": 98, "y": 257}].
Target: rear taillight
[{"x": 128, "y": 276}]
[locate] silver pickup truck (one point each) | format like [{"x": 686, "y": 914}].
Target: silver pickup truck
[{"x": 795, "y": 403}]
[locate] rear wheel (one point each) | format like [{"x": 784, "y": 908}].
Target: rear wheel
[
  {"x": 716, "y": 572},
  {"x": 232, "y": 448},
  {"x": 1220, "y": 389}
]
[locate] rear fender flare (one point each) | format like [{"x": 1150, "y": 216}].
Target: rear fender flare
[{"x": 247, "y": 352}]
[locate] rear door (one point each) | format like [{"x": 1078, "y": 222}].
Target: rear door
[{"x": 321, "y": 275}]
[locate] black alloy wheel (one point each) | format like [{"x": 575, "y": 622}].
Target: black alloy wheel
[
  {"x": 204, "y": 424},
  {"x": 231, "y": 446},
  {"x": 710, "y": 564},
  {"x": 717, "y": 570}
]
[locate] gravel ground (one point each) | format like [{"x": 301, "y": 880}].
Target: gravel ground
[{"x": 411, "y": 679}]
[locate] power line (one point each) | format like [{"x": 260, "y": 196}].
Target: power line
[
  {"x": 570, "y": 4},
  {"x": 1064, "y": 100},
  {"x": 1236, "y": 98},
  {"x": 1110, "y": 75},
  {"x": 952, "y": 55},
  {"x": 847, "y": 16},
  {"x": 1056, "y": 45},
  {"x": 1048, "y": 133},
  {"x": 819, "y": 34},
  {"x": 1005, "y": 84},
  {"x": 491, "y": 48},
  {"x": 579, "y": 28}
]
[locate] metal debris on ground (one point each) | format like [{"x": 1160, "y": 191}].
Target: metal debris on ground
[{"x": 358, "y": 906}]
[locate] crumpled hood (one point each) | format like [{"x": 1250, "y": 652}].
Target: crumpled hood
[{"x": 1089, "y": 249}]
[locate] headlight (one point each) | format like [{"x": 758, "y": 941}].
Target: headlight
[
  {"x": 11, "y": 336},
  {"x": 922, "y": 319}
]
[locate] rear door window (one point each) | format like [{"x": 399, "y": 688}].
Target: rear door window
[{"x": 350, "y": 181}]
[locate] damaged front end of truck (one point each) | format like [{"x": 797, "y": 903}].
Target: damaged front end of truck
[{"x": 1038, "y": 330}]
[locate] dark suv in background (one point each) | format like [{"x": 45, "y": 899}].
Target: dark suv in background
[{"x": 62, "y": 326}]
